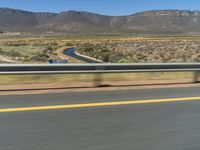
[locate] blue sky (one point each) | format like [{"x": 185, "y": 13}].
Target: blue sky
[{"x": 107, "y": 7}]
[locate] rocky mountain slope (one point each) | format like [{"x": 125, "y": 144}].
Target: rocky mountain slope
[{"x": 75, "y": 22}]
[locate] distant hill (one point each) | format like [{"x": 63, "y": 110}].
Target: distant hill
[{"x": 76, "y": 22}]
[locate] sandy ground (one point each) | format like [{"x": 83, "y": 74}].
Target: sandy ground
[
  {"x": 89, "y": 86},
  {"x": 4, "y": 59}
]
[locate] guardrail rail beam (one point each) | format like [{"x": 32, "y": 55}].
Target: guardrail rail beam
[{"x": 99, "y": 69}]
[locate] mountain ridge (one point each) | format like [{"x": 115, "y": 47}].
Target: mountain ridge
[{"x": 81, "y": 22}]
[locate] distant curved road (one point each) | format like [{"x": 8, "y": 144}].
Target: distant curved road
[{"x": 71, "y": 52}]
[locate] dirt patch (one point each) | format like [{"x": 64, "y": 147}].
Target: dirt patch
[{"x": 89, "y": 86}]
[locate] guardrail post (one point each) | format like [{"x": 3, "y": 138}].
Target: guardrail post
[
  {"x": 196, "y": 76},
  {"x": 98, "y": 80}
]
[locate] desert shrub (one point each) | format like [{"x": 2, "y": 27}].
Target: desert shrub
[
  {"x": 43, "y": 55},
  {"x": 14, "y": 54},
  {"x": 69, "y": 44},
  {"x": 27, "y": 58},
  {"x": 54, "y": 43},
  {"x": 104, "y": 55},
  {"x": 10, "y": 53},
  {"x": 86, "y": 49},
  {"x": 49, "y": 50},
  {"x": 124, "y": 60},
  {"x": 38, "y": 58},
  {"x": 1, "y": 51}
]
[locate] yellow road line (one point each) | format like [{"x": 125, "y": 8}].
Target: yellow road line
[{"x": 132, "y": 102}]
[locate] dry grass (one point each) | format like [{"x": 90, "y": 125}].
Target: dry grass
[
  {"x": 116, "y": 49},
  {"x": 62, "y": 79}
]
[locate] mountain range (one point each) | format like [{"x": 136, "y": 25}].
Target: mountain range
[{"x": 79, "y": 22}]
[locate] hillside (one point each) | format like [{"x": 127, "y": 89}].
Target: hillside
[{"x": 75, "y": 22}]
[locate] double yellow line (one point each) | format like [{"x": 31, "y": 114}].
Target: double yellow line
[{"x": 101, "y": 104}]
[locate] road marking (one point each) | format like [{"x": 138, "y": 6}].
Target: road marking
[{"x": 132, "y": 102}]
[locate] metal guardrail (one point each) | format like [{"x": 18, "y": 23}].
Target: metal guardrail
[
  {"x": 96, "y": 68},
  {"x": 15, "y": 69}
]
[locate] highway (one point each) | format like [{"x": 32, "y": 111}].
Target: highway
[{"x": 149, "y": 119}]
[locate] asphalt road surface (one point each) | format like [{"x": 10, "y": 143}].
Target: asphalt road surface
[{"x": 153, "y": 119}]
